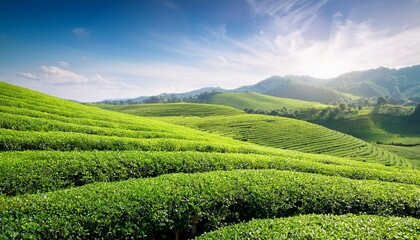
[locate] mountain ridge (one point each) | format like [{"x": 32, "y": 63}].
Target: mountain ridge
[{"x": 380, "y": 82}]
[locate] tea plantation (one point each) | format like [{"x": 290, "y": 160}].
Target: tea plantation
[
  {"x": 71, "y": 171},
  {"x": 252, "y": 100},
  {"x": 277, "y": 132}
]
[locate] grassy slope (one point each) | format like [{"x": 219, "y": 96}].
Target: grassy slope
[
  {"x": 269, "y": 131},
  {"x": 252, "y": 100},
  {"x": 31, "y": 120},
  {"x": 173, "y": 109},
  {"x": 412, "y": 153},
  {"x": 286, "y": 133},
  {"x": 377, "y": 128}
]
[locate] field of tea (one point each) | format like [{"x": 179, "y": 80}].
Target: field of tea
[{"x": 71, "y": 171}]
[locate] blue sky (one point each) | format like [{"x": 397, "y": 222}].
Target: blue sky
[{"x": 93, "y": 50}]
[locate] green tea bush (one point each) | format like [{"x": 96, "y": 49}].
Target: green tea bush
[
  {"x": 42, "y": 171},
  {"x": 175, "y": 204},
  {"x": 322, "y": 227}
]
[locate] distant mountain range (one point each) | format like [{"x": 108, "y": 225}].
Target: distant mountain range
[{"x": 396, "y": 84}]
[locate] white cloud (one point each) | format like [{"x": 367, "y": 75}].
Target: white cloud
[
  {"x": 57, "y": 75},
  {"x": 81, "y": 32},
  {"x": 62, "y": 78},
  {"x": 63, "y": 64},
  {"x": 27, "y": 75},
  {"x": 281, "y": 46}
]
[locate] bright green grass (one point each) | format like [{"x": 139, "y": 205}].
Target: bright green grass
[
  {"x": 286, "y": 133},
  {"x": 322, "y": 227},
  {"x": 173, "y": 109},
  {"x": 255, "y": 101}
]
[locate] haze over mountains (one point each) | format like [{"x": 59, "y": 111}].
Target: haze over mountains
[{"x": 394, "y": 83}]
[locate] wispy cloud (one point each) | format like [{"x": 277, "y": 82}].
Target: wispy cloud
[
  {"x": 57, "y": 75},
  {"x": 27, "y": 75},
  {"x": 281, "y": 45},
  {"x": 81, "y": 32},
  {"x": 286, "y": 16},
  {"x": 63, "y": 64}
]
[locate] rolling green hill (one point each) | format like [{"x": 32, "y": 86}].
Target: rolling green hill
[
  {"x": 277, "y": 132},
  {"x": 286, "y": 133},
  {"x": 297, "y": 87},
  {"x": 372, "y": 126},
  {"x": 70, "y": 171},
  {"x": 173, "y": 109},
  {"x": 252, "y": 100},
  {"x": 412, "y": 153}
]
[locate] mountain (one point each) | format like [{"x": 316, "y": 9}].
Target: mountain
[
  {"x": 395, "y": 83},
  {"x": 165, "y": 97},
  {"x": 296, "y": 88}
]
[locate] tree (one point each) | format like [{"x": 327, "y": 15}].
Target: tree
[
  {"x": 342, "y": 106},
  {"x": 415, "y": 117},
  {"x": 381, "y": 101}
]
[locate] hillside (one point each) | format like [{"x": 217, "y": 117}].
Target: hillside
[
  {"x": 389, "y": 124},
  {"x": 172, "y": 109},
  {"x": 395, "y": 83},
  {"x": 286, "y": 133},
  {"x": 252, "y": 100},
  {"x": 71, "y": 171},
  {"x": 296, "y": 88},
  {"x": 277, "y": 132}
]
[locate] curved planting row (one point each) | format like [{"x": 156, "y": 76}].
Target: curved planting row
[
  {"x": 187, "y": 204},
  {"x": 322, "y": 227},
  {"x": 42, "y": 171},
  {"x": 286, "y": 133}
]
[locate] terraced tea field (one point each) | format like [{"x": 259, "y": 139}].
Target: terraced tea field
[
  {"x": 256, "y": 101},
  {"x": 278, "y": 132},
  {"x": 70, "y": 171},
  {"x": 173, "y": 109},
  {"x": 286, "y": 133},
  {"x": 378, "y": 128}
]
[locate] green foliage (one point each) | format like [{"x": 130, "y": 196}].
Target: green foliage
[
  {"x": 322, "y": 227},
  {"x": 161, "y": 206},
  {"x": 415, "y": 117},
  {"x": 42, "y": 171}
]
